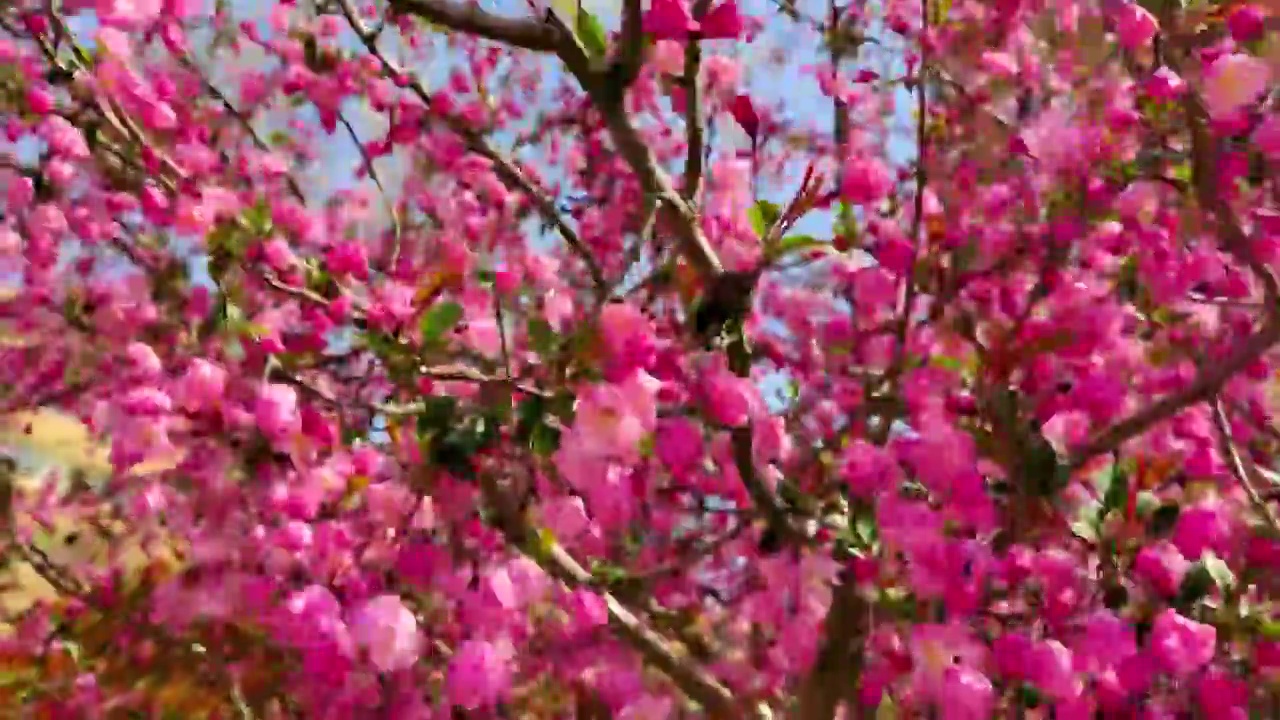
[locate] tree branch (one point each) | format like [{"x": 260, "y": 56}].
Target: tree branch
[
  {"x": 630, "y": 57},
  {"x": 1207, "y": 384},
  {"x": 506, "y": 170},
  {"x": 468, "y": 17},
  {"x": 1241, "y": 466},
  {"x": 653, "y": 179},
  {"x": 693, "y": 110},
  {"x": 551, "y": 556}
]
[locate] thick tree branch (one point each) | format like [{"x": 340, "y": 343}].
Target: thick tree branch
[
  {"x": 630, "y": 56},
  {"x": 652, "y": 178},
  {"x": 693, "y": 110},
  {"x": 469, "y": 17},
  {"x": 548, "y": 35}
]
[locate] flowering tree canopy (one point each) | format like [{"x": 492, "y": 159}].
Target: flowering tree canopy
[{"x": 726, "y": 359}]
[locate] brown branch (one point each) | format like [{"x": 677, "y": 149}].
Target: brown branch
[
  {"x": 697, "y": 684},
  {"x": 1206, "y": 384},
  {"x": 693, "y": 111},
  {"x": 507, "y": 170},
  {"x": 382, "y": 190},
  {"x": 469, "y": 17},
  {"x": 1211, "y": 378},
  {"x": 552, "y": 35},
  {"x": 631, "y": 51}
]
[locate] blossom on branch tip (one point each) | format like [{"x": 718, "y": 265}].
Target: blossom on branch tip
[{"x": 670, "y": 20}]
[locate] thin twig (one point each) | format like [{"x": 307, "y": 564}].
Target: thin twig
[
  {"x": 382, "y": 190},
  {"x": 1242, "y": 466},
  {"x": 505, "y": 168}
]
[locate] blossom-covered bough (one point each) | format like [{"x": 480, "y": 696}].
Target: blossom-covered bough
[{"x": 459, "y": 360}]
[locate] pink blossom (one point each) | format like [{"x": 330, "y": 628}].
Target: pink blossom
[
  {"x": 1247, "y": 22},
  {"x": 1165, "y": 85},
  {"x": 128, "y": 13},
  {"x": 1163, "y": 566},
  {"x": 1201, "y": 527},
  {"x": 869, "y": 470},
  {"x": 202, "y": 385},
  {"x": 348, "y": 258},
  {"x": 587, "y": 610},
  {"x": 388, "y": 632},
  {"x": 670, "y": 20},
  {"x": 40, "y": 100},
  {"x": 479, "y": 674},
  {"x": 1267, "y": 137},
  {"x": 730, "y": 399},
  {"x": 63, "y": 138},
  {"x": 1135, "y": 25},
  {"x": 667, "y": 57},
  {"x": 1181, "y": 645},
  {"x": 277, "y": 414},
  {"x": 679, "y": 444},
  {"x": 1234, "y": 81},
  {"x": 866, "y": 181},
  {"x": 278, "y": 255},
  {"x": 628, "y": 337},
  {"x": 612, "y": 419},
  {"x": 143, "y": 359}
]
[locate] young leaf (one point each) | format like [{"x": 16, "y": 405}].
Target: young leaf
[
  {"x": 1116, "y": 495},
  {"x": 797, "y": 244},
  {"x": 440, "y": 319},
  {"x": 592, "y": 34},
  {"x": 763, "y": 215}
]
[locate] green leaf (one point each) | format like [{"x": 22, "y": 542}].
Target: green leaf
[
  {"x": 887, "y": 709},
  {"x": 533, "y": 430},
  {"x": 1207, "y": 573},
  {"x": 1116, "y": 494},
  {"x": 440, "y": 319},
  {"x": 865, "y": 530},
  {"x": 437, "y": 414},
  {"x": 763, "y": 215},
  {"x": 1030, "y": 697},
  {"x": 797, "y": 243},
  {"x": 1195, "y": 585},
  {"x": 592, "y": 35},
  {"x": 541, "y": 337},
  {"x": 1270, "y": 629},
  {"x": 1085, "y": 530},
  {"x": 258, "y": 218},
  {"x": 1218, "y": 570}
]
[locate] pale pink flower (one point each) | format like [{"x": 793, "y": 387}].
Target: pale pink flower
[
  {"x": 1234, "y": 81},
  {"x": 276, "y": 413},
  {"x": 388, "y": 632},
  {"x": 613, "y": 418}
]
